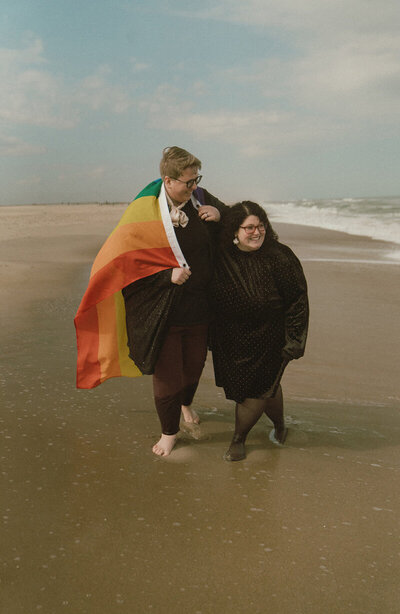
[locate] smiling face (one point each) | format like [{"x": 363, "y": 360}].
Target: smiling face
[
  {"x": 178, "y": 190},
  {"x": 250, "y": 241}
]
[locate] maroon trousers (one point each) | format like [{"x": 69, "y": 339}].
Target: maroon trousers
[{"x": 177, "y": 372}]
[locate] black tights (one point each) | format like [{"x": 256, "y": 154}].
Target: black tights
[{"x": 250, "y": 411}]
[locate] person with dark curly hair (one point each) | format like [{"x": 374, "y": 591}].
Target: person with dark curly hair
[{"x": 260, "y": 309}]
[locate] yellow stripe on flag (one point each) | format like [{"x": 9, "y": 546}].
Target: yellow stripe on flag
[
  {"x": 144, "y": 209},
  {"x": 127, "y": 366}
]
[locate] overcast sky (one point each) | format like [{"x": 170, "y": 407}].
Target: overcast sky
[{"x": 280, "y": 99}]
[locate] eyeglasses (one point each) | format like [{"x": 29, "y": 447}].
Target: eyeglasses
[
  {"x": 191, "y": 182},
  {"x": 252, "y": 228}
]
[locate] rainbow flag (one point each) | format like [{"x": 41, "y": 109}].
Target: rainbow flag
[{"x": 143, "y": 243}]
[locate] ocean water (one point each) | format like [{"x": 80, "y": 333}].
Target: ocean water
[{"x": 377, "y": 218}]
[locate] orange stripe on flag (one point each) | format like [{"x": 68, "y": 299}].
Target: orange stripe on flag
[
  {"x": 143, "y": 235},
  {"x": 87, "y": 337}
]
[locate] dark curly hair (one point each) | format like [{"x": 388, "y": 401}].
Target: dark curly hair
[{"x": 235, "y": 216}]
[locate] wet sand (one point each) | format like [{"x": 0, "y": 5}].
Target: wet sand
[{"x": 93, "y": 522}]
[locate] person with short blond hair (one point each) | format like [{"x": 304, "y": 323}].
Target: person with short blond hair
[
  {"x": 176, "y": 160},
  {"x": 168, "y": 313}
]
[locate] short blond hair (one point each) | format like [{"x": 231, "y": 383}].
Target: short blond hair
[{"x": 175, "y": 161}]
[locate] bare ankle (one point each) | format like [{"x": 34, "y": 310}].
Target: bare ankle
[{"x": 190, "y": 415}]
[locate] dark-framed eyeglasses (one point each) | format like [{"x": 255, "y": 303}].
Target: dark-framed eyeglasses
[
  {"x": 191, "y": 182},
  {"x": 252, "y": 228}
]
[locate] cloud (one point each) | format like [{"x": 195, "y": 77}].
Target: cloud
[
  {"x": 139, "y": 66},
  {"x": 320, "y": 18},
  {"x": 30, "y": 181},
  {"x": 252, "y": 132},
  {"x": 96, "y": 92},
  {"x": 31, "y": 54},
  {"x": 339, "y": 55},
  {"x": 338, "y": 48},
  {"x": 84, "y": 172},
  {"x": 96, "y": 172},
  {"x": 333, "y": 72},
  {"x": 31, "y": 95},
  {"x": 13, "y": 146},
  {"x": 355, "y": 81},
  {"x": 36, "y": 98}
]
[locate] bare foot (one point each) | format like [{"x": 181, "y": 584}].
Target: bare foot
[
  {"x": 189, "y": 415},
  {"x": 164, "y": 446}
]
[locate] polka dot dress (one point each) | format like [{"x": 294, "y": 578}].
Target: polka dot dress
[{"x": 260, "y": 306}]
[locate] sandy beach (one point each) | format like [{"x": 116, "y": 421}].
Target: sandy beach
[{"x": 93, "y": 522}]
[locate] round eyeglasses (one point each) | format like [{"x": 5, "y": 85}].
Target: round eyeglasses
[
  {"x": 191, "y": 182},
  {"x": 252, "y": 228}
]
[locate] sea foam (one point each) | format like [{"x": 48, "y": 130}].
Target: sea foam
[{"x": 377, "y": 218}]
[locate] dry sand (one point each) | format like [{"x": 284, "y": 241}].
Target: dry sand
[{"x": 93, "y": 522}]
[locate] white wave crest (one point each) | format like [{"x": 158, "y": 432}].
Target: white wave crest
[{"x": 377, "y": 219}]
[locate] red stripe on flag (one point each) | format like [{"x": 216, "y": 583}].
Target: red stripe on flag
[
  {"x": 87, "y": 336},
  {"x": 124, "y": 270}
]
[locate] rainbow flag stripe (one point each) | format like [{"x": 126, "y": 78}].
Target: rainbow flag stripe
[{"x": 142, "y": 243}]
